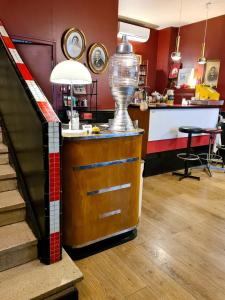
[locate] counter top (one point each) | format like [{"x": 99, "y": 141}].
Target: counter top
[
  {"x": 104, "y": 134},
  {"x": 175, "y": 106}
]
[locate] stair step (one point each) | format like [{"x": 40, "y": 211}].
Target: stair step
[
  {"x": 3, "y": 148},
  {"x": 18, "y": 245},
  {"x": 35, "y": 280},
  {"x": 7, "y": 172},
  {"x": 12, "y": 207},
  {"x": 4, "y": 158},
  {"x": 7, "y": 178}
]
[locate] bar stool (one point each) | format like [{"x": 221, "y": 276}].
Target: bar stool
[
  {"x": 188, "y": 156},
  {"x": 221, "y": 148},
  {"x": 210, "y": 158}
]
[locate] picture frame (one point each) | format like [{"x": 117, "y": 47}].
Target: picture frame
[
  {"x": 174, "y": 70},
  {"x": 184, "y": 76},
  {"x": 79, "y": 90},
  {"x": 211, "y": 74},
  {"x": 98, "y": 58},
  {"x": 139, "y": 58},
  {"x": 73, "y": 43}
]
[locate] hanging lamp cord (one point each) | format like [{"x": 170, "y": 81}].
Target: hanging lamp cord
[
  {"x": 180, "y": 14},
  {"x": 206, "y": 20}
]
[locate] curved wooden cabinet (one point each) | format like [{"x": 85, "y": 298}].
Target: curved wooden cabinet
[{"x": 100, "y": 188}]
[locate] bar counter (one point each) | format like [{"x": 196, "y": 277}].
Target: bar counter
[
  {"x": 162, "y": 139},
  {"x": 101, "y": 176}
]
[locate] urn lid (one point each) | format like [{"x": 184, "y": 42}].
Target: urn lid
[{"x": 124, "y": 47}]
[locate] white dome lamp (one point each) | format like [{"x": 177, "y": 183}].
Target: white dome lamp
[
  {"x": 202, "y": 59},
  {"x": 70, "y": 72},
  {"x": 176, "y": 55}
]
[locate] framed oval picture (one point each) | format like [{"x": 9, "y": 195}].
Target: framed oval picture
[
  {"x": 73, "y": 43},
  {"x": 98, "y": 58}
]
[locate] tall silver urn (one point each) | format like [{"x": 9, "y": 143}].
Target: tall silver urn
[{"x": 123, "y": 80}]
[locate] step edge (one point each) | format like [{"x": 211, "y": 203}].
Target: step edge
[
  {"x": 18, "y": 247},
  {"x": 9, "y": 176},
  {"x": 26, "y": 291},
  {"x": 12, "y": 207}
]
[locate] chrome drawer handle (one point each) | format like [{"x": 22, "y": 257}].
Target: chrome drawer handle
[
  {"x": 109, "y": 214},
  {"x": 109, "y": 189}
]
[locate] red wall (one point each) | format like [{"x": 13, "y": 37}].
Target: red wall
[
  {"x": 148, "y": 51},
  {"x": 47, "y": 20},
  {"x": 190, "y": 45},
  {"x": 166, "y": 44}
]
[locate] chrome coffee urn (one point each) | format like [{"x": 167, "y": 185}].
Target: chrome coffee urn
[{"x": 123, "y": 80}]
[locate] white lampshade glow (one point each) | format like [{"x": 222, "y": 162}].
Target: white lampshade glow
[
  {"x": 202, "y": 60},
  {"x": 70, "y": 72},
  {"x": 176, "y": 56}
]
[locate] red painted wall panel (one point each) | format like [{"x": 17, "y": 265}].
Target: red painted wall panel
[
  {"x": 191, "y": 40},
  {"x": 190, "y": 47},
  {"x": 166, "y": 44},
  {"x": 47, "y": 20}
]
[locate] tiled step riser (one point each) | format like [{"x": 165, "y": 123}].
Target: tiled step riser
[
  {"x": 8, "y": 185},
  {"x": 12, "y": 216},
  {"x": 16, "y": 257},
  {"x": 4, "y": 159}
]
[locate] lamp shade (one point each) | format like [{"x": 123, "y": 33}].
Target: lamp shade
[
  {"x": 202, "y": 60},
  {"x": 70, "y": 72},
  {"x": 176, "y": 56}
]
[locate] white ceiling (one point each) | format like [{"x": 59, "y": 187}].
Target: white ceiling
[{"x": 165, "y": 13}]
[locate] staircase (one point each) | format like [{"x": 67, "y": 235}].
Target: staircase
[
  {"x": 18, "y": 244},
  {"x": 22, "y": 276}
]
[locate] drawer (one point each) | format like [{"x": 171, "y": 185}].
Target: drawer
[
  {"x": 92, "y": 151},
  {"x": 104, "y": 201}
]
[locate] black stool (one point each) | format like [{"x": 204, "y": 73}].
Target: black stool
[{"x": 188, "y": 156}]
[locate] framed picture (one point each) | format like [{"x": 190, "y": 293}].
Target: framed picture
[
  {"x": 212, "y": 73},
  {"x": 139, "y": 57},
  {"x": 98, "y": 58},
  {"x": 73, "y": 43},
  {"x": 174, "y": 70},
  {"x": 184, "y": 76}
]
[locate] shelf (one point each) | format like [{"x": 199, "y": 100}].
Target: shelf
[
  {"x": 74, "y": 107},
  {"x": 77, "y": 94}
]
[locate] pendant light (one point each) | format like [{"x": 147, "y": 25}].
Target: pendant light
[
  {"x": 202, "y": 58},
  {"x": 176, "y": 55}
]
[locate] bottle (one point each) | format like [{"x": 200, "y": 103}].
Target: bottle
[
  {"x": 75, "y": 125},
  {"x": 170, "y": 94}
]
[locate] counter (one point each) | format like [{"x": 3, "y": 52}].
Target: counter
[
  {"x": 161, "y": 125},
  {"x": 101, "y": 175}
]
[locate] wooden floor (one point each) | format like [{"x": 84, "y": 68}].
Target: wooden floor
[{"x": 180, "y": 249}]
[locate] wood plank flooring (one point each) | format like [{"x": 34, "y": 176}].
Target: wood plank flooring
[{"x": 179, "y": 252}]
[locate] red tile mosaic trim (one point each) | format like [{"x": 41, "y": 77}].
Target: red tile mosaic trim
[{"x": 54, "y": 247}]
